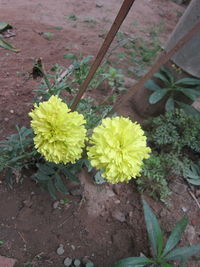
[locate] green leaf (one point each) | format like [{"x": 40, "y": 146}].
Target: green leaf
[
  {"x": 182, "y": 254},
  {"x": 188, "y": 81},
  {"x": 46, "y": 169},
  {"x": 151, "y": 85},
  {"x": 168, "y": 74},
  {"x": 169, "y": 105},
  {"x": 4, "y": 26},
  {"x": 70, "y": 56},
  {"x": 70, "y": 175},
  {"x": 162, "y": 77},
  {"x": 98, "y": 177},
  {"x": 189, "y": 109},
  {"x": 59, "y": 184},
  {"x": 51, "y": 189},
  {"x": 191, "y": 93},
  {"x": 194, "y": 182},
  {"x": 133, "y": 262},
  {"x": 154, "y": 232},
  {"x": 41, "y": 176},
  {"x": 175, "y": 235},
  {"x": 7, "y": 46},
  {"x": 157, "y": 96}
]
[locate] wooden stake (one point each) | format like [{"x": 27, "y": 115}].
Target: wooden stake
[
  {"x": 163, "y": 59},
  {"x": 104, "y": 48}
]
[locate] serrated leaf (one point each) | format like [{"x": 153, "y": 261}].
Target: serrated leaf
[
  {"x": 151, "y": 85},
  {"x": 51, "y": 189},
  {"x": 153, "y": 229},
  {"x": 59, "y": 184},
  {"x": 188, "y": 81},
  {"x": 169, "y": 105},
  {"x": 175, "y": 235},
  {"x": 182, "y": 254},
  {"x": 133, "y": 262},
  {"x": 157, "y": 96}
]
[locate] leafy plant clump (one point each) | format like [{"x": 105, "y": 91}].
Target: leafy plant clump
[
  {"x": 61, "y": 81},
  {"x": 153, "y": 179},
  {"x": 174, "y": 131},
  {"x": 175, "y": 142},
  {"x": 63, "y": 141},
  {"x": 172, "y": 89},
  {"x": 164, "y": 254}
]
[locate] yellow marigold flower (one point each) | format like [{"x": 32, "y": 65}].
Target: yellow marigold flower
[
  {"x": 60, "y": 134},
  {"x": 118, "y": 146}
]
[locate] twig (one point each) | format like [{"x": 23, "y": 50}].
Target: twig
[
  {"x": 127, "y": 4},
  {"x": 65, "y": 73},
  {"x": 60, "y": 225},
  {"x": 195, "y": 199},
  {"x": 22, "y": 237}
]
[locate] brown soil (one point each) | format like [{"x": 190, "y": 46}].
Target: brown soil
[{"x": 101, "y": 223}]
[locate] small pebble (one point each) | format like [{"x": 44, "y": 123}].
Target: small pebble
[
  {"x": 99, "y": 5},
  {"x": 89, "y": 264},
  {"x": 77, "y": 262},
  {"x": 184, "y": 209},
  {"x": 56, "y": 204},
  {"x": 67, "y": 262},
  {"x": 60, "y": 250}
]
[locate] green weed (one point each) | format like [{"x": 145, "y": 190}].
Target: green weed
[{"x": 164, "y": 253}]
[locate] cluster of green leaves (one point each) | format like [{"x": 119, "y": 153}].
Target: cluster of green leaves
[
  {"x": 92, "y": 113},
  {"x": 138, "y": 51},
  {"x": 163, "y": 253},
  {"x": 153, "y": 178},
  {"x": 175, "y": 142},
  {"x": 17, "y": 152},
  {"x": 52, "y": 176},
  {"x": 60, "y": 80},
  {"x": 172, "y": 90},
  {"x": 174, "y": 131}
]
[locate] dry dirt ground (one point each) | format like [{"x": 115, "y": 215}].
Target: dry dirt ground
[{"x": 100, "y": 223}]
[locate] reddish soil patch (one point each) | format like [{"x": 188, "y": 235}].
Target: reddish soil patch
[{"x": 102, "y": 223}]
